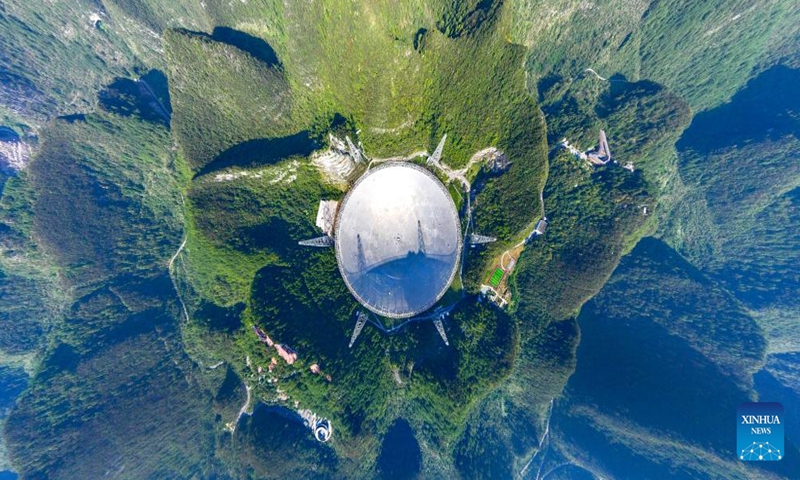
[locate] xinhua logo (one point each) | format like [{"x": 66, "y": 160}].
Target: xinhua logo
[{"x": 759, "y": 431}]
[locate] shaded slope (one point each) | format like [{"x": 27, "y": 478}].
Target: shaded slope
[
  {"x": 736, "y": 220},
  {"x": 634, "y": 407},
  {"x": 87, "y": 415},
  {"x": 273, "y": 443},
  {"x": 400, "y": 456},
  {"x": 766, "y": 109}
]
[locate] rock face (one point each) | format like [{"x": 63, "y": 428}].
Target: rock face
[
  {"x": 498, "y": 162},
  {"x": 14, "y": 153},
  {"x": 21, "y": 96},
  {"x": 337, "y": 163}
]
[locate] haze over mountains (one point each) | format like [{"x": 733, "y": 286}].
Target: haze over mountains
[{"x": 138, "y": 127}]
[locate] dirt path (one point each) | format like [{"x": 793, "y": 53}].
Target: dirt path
[
  {"x": 590, "y": 70},
  {"x": 180, "y": 249},
  {"x": 380, "y": 130},
  {"x": 544, "y": 445},
  {"x": 174, "y": 281},
  {"x": 541, "y": 202},
  {"x": 461, "y": 174},
  {"x": 161, "y": 110}
]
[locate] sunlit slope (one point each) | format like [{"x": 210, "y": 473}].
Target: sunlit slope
[
  {"x": 704, "y": 51},
  {"x": 222, "y": 96},
  {"x": 403, "y": 81},
  {"x": 597, "y": 213}
]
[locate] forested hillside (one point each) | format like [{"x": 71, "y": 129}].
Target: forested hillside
[
  {"x": 738, "y": 163},
  {"x": 704, "y": 51},
  {"x": 112, "y": 372},
  {"x": 166, "y": 160},
  {"x": 665, "y": 356}
]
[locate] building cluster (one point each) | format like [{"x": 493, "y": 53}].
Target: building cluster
[{"x": 284, "y": 351}]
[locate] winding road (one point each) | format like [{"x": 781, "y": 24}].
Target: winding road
[{"x": 591, "y": 70}]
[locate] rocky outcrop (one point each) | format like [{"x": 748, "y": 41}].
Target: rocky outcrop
[
  {"x": 14, "y": 153},
  {"x": 21, "y": 96},
  {"x": 337, "y": 163},
  {"x": 498, "y": 162}
]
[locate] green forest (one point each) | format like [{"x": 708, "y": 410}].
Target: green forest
[{"x": 175, "y": 163}]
